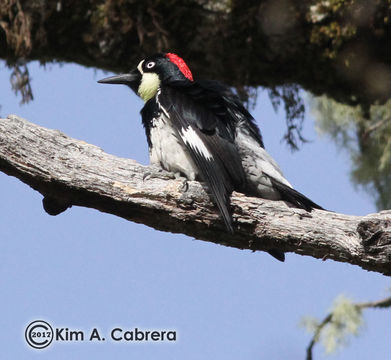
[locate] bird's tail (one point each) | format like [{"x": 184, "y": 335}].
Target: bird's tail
[
  {"x": 298, "y": 200},
  {"x": 294, "y": 197}
]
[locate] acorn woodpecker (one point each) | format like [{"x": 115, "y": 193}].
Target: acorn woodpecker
[{"x": 200, "y": 129}]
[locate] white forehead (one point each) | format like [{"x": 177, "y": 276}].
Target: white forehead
[{"x": 140, "y": 67}]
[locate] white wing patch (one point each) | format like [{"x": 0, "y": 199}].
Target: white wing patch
[{"x": 190, "y": 137}]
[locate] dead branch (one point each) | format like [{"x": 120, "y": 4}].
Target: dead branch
[{"x": 71, "y": 172}]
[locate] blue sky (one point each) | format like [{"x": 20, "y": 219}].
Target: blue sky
[{"x": 85, "y": 269}]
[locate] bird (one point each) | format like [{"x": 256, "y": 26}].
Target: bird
[{"x": 201, "y": 130}]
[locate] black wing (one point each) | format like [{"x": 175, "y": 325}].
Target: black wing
[
  {"x": 239, "y": 115},
  {"x": 231, "y": 107},
  {"x": 210, "y": 143}
]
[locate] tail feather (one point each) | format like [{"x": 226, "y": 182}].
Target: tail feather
[{"x": 294, "y": 197}]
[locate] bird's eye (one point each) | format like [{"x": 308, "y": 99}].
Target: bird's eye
[{"x": 150, "y": 65}]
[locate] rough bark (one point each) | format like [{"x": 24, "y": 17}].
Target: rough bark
[
  {"x": 337, "y": 47},
  {"x": 71, "y": 172}
]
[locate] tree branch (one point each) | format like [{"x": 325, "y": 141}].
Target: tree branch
[
  {"x": 315, "y": 338},
  {"x": 382, "y": 304},
  {"x": 338, "y": 48},
  {"x": 71, "y": 172}
]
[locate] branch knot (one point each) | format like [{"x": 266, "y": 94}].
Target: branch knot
[{"x": 375, "y": 234}]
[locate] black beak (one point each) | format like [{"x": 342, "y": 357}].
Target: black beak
[{"x": 131, "y": 79}]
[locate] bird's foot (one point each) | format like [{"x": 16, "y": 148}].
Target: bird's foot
[
  {"x": 185, "y": 185},
  {"x": 156, "y": 172}
]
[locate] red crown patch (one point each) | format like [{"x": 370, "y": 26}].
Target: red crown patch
[{"x": 178, "y": 61}]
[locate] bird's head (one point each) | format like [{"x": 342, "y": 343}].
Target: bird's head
[{"x": 151, "y": 72}]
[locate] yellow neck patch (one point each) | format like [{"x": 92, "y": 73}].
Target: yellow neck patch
[{"x": 149, "y": 86}]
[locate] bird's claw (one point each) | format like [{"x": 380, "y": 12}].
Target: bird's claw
[
  {"x": 185, "y": 186},
  {"x": 147, "y": 176}
]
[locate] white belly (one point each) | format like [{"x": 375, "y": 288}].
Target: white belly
[{"x": 167, "y": 149}]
